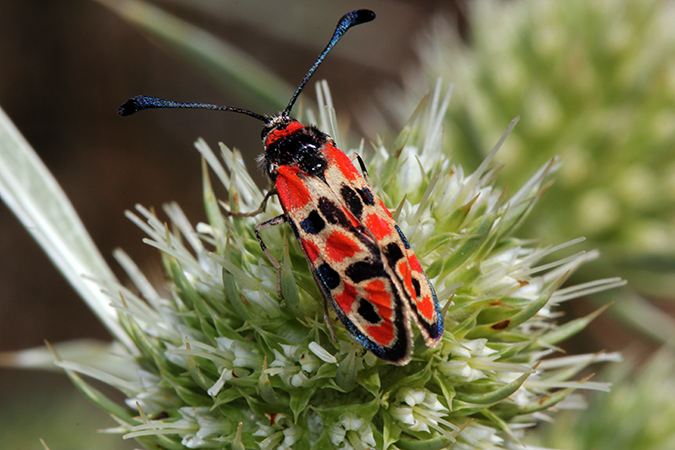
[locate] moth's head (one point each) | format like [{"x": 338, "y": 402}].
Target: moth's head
[{"x": 279, "y": 127}]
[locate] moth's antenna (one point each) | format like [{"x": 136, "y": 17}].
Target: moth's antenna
[
  {"x": 142, "y": 102},
  {"x": 346, "y": 22}
]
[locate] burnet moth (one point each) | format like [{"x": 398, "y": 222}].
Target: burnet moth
[{"x": 360, "y": 259}]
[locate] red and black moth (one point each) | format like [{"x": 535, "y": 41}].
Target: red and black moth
[{"x": 360, "y": 259}]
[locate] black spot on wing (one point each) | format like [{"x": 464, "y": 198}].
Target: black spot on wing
[
  {"x": 328, "y": 276},
  {"x": 352, "y": 200},
  {"x": 393, "y": 253},
  {"x": 416, "y": 285},
  {"x": 313, "y": 224},
  {"x": 332, "y": 212},
  {"x": 367, "y": 196},
  {"x": 365, "y": 270},
  {"x": 367, "y": 311}
]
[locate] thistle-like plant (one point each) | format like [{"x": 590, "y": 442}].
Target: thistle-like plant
[
  {"x": 217, "y": 359},
  {"x": 593, "y": 81},
  {"x": 638, "y": 414}
]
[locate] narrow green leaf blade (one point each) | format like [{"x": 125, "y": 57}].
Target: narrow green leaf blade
[{"x": 35, "y": 197}]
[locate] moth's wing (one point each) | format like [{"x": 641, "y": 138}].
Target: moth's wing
[
  {"x": 424, "y": 304},
  {"x": 397, "y": 254},
  {"x": 346, "y": 261}
]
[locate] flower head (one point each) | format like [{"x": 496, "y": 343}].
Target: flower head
[{"x": 222, "y": 360}]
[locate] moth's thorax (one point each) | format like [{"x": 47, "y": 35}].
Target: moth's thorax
[{"x": 289, "y": 143}]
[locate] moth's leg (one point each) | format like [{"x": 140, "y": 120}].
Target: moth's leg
[
  {"x": 355, "y": 156},
  {"x": 362, "y": 165},
  {"x": 261, "y": 208},
  {"x": 326, "y": 318},
  {"x": 278, "y": 220}
]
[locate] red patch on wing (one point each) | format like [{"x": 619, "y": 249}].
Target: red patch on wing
[
  {"x": 404, "y": 270},
  {"x": 345, "y": 299},
  {"x": 341, "y": 161},
  {"x": 414, "y": 263},
  {"x": 281, "y": 133},
  {"x": 311, "y": 250},
  {"x": 340, "y": 246},
  {"x": 378, "y": 226},
  {"x": 379, "y": 296},
  {"x": 426, "y": 308},
  {"x": 293, "y": 194},
  {"x": 383, "y": 334}
]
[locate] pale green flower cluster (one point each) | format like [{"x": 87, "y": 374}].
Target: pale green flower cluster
[
  {"x": 594, "y": 83},
  {"x": 221, "y": 361},
  {"x": 638, "y": 414}
]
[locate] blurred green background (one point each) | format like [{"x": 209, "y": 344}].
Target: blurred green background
[{"x": 65, "y": 67}]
